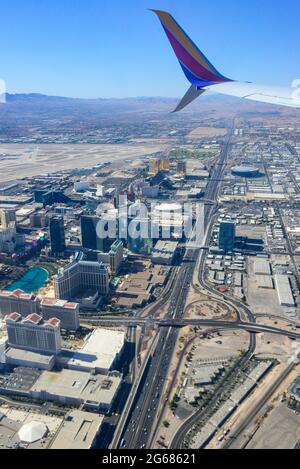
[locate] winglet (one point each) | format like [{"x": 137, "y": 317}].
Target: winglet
[
  {"x": 197, "y": 68},
  {"x": 191, "y": 94}
]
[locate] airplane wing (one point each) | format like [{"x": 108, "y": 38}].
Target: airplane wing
[
  {"x": 203, "y": 76},
  {"x": 281, "y": 96}
]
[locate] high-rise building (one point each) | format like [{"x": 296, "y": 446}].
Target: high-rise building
[
  {"x": 57, "y": 235},
  {"x": 7, "y": 217},
  {"x": 158, "y": 165},
  {"x": 116, "y": 257},
  {"x": 149, "y": 191},
  {"x": 34, "y": 334},
  {"x": 164, "y": 165},
  {"x": 169, "y": 221},
  {"x": 91, "y": 234},
  {"x": 139, "y": 239},
  {"x": 181, "y": 168},
  {"x": 154, "y": 166},
  {"x": 7, "y": 239},
  {"x": 67, "y": 313},
  {"x": 227, "y": 236},
  {"x": 80, "y": 276},
  {"x": 39, "y": 219},
  {"x": 18, "y": 302}
]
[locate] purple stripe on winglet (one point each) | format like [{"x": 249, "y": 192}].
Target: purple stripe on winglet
[{"x": 192, "y": 64}]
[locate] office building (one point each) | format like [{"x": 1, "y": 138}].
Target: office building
[
  {"x": 7, "y": 239},
  {"x": 39, "y": 219},
  {"x": 57, "y": 235},
  {"x": 169, "y": 221},
  {"x": 227, "y": 236},
  {"x": 67, "y": 313},
  {"x": 164, "y": 165},
  {"x": 89, "y": 238},
  {"x": 81, "y": 277},
  {"x": 181, "y": 168},
  {"x": 33, "y": 333},
  {"x": 18, "y": 302},
  {"x": 7, "y": 217},
  {"x": 154, "y": 166},
  {"x": 139, "y": 239},
  {"x": 116, "y": 257},
  {"x": 149, "y": 191},
  {"x": 91, "y": 234}
]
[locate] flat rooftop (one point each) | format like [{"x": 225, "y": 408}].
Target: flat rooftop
[
  {"x": 78, "y": 385},
  {"x": 59, "y": 304},
  {"x": 104, "y": 344},
  {"x": 78, "y": 431},
  {"x": 295, "y": 388},
  {"x": 12, "y": 420},
  {"x": 26, "y": 355}
]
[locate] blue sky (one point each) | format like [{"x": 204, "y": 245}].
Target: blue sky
[{"x": 116, "y": 48}]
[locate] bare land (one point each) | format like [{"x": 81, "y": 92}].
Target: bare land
[
  {"x": 206, "y": 132},
  {"x": 32, "y": 160},
  {"x": 281, "y": 430}
]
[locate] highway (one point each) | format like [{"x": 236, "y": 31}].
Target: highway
[
  {"x": 138, "y": 431},
  {"x": 179, "y": 323},
  {"x": 143, "y": 409}
]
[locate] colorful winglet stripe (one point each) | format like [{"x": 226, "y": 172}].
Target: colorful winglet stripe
[{"x": 196, "y": 66}]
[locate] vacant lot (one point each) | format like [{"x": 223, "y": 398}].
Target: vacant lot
[
  {"x": 206, "y": 132},
  {"x": 32, "y": 160},
  {"x": 281, "y": 430}
]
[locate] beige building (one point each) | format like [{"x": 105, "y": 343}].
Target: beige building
[
  {"x": 78, "y": 431},
  {"x": 18, "y": 302},
  {"x": 80, "y": 276},
  {"x": 32, "y": 333},
  {"x": 7, "y": 217},
  {"x": 67, "y": 313}
]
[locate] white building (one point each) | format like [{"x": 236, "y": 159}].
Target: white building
[
  {"x": 76, "y": 388},
  {"x": 80, "y": 276},
  {"x": 67, "y": 313},
  {"x": 164, "y": 252},
  {"x": 18, "y": 302},
  {"x": 284, "y": 291},
  {"x": 32, "y": 333},
  {"x": 7, "y": 217},
  {"x": 100, "y": 353},
  {"x": 7, "y": 239}
]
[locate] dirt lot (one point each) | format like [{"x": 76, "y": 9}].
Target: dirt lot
[
  {"x": 206, "y": 132},
  {"x": 281, "y": 430},
  {"x": 32, "y": 160}
]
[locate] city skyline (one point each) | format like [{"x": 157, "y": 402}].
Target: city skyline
[{"x": 149, "y": 259}]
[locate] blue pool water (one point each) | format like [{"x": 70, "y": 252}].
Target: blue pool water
[{"x": 31, "y": 282}]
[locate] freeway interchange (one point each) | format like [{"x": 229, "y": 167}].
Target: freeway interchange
[{"x": 138, "y": 424}]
